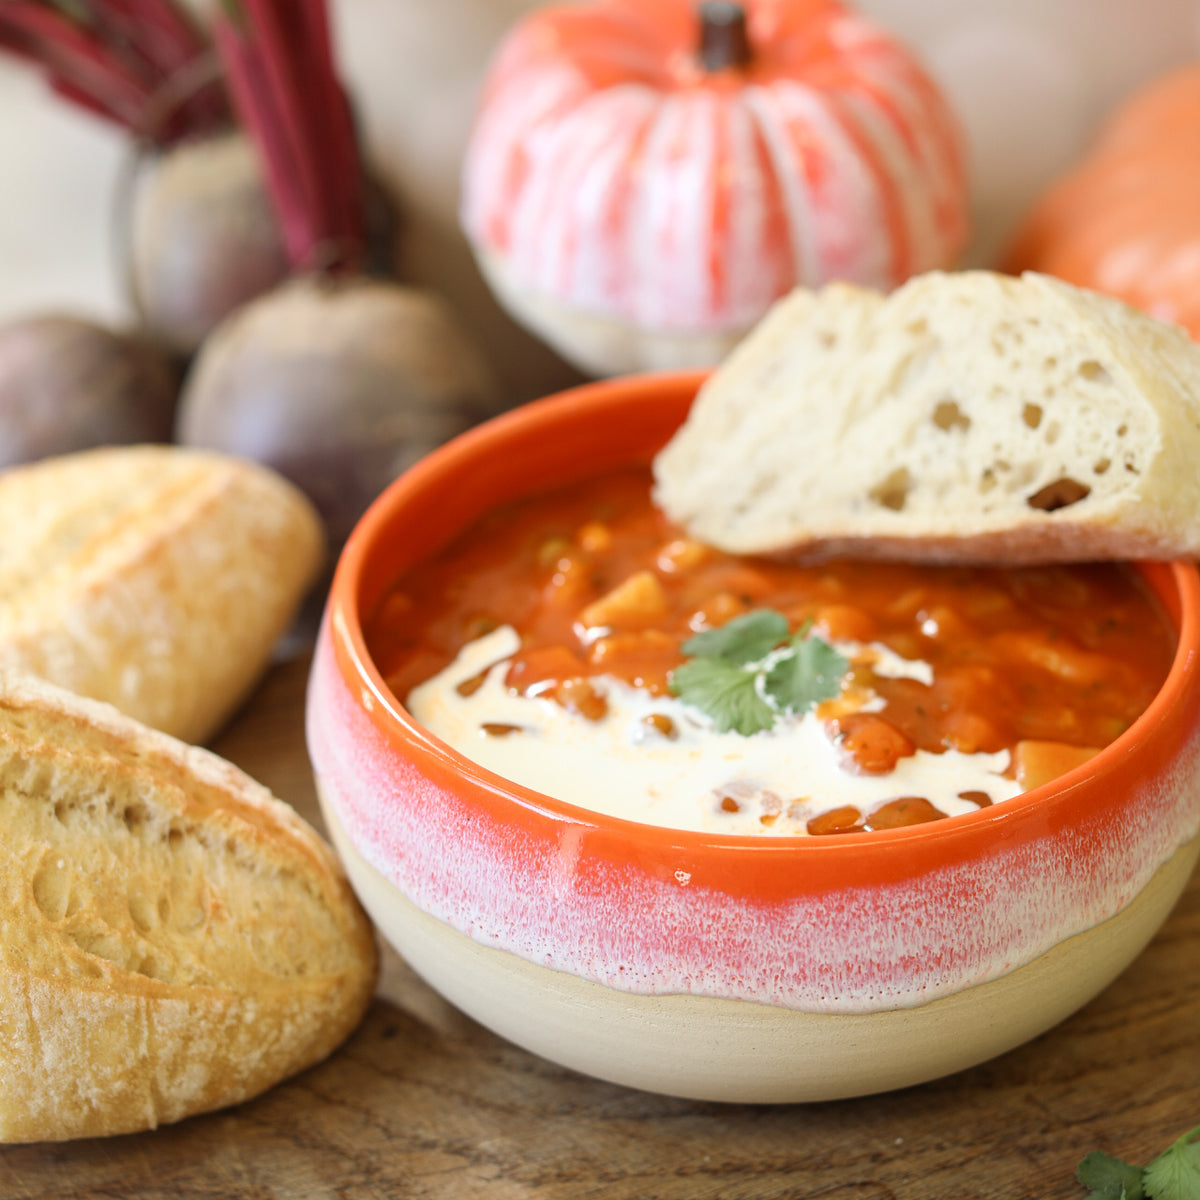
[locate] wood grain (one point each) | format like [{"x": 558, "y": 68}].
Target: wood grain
[{"x": 424, "y": 1103}]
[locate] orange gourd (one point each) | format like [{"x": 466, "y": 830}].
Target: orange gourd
[
  {"x": 1126, "y": 219},
  {"x": 644, "y": 177}
]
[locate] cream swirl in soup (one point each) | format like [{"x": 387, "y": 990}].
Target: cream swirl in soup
[{"x": 658, "y": 760}]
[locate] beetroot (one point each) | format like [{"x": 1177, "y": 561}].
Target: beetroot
[
  {"x": 68, "y": 384},
  {"x": 203, "y": 238},
  {"x": 334, "y": 379},
  {"x": 339, "y": 384}
]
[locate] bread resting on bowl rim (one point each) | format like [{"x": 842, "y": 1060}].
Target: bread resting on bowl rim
[{"x": 965, "y": 417}]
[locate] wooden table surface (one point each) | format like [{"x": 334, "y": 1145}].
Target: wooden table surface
[{"x": 421, "y": 1102}]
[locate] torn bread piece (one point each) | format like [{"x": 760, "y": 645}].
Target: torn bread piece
[
  {"x": 176, "y": 939},
  {"x": 965, "y": 417},
  {"x": 156, "y": 578}
]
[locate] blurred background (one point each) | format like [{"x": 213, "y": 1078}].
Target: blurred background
[{"x": 1030, "y": 79}]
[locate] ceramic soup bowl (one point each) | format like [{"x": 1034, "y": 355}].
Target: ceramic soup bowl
[{"x": 721, "y": 967}]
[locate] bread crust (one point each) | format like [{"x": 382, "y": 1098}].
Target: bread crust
[
  {"x": 176, "y": 939},
  {"x": 965, "y": 417},
  {"x": 155, "y": 578}
]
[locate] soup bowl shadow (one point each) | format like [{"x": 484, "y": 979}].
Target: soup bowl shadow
[{"x": 727, "y": 968}]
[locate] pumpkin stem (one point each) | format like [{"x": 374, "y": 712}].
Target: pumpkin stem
[{"x": 724, "y": 42}]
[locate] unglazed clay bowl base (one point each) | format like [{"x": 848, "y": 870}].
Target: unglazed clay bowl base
[
  {"x": 708, "y": 1048},
  {"x": 752, "y": 969}
]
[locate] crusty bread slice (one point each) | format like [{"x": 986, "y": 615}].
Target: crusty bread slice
[
  {"x": 175, "y": 939},
  {"x": 156, "y": 578},
  {"x": 964, "y": 417}
]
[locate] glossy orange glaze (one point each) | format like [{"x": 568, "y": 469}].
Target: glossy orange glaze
[{"x": 598, "y": 582}]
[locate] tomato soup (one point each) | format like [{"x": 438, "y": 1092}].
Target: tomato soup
[{"x": 552, "y": 642}]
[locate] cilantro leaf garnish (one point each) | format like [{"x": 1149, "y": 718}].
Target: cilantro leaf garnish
[
  {"x": 748, "y": 673},
  {"x": 726, "y": 692},
  {"x": 1109, "y": 1178},
  {"x": 1173, "y": 1175},
  {"x": 812, "y": 672},
  {"x": 745, "y": 639}
]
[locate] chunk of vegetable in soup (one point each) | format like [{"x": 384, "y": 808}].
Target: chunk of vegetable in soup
[{"x": 547, "y": 644}]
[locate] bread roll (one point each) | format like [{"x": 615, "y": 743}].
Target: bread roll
[
  {"x": 152, "y": 577},
  {"x": 964, "y": 417},
  {"x": 175, "y": 939}
]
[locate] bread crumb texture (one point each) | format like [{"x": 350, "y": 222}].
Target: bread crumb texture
[
  {"x": 155, "y": 578},
  {"x": 174, "y": 938},
  {"x": 965, "y": 416}
]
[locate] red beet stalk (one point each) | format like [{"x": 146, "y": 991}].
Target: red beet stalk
[
  {"x": 125, "y": 60},
  {"x": 280, "y": 68}
]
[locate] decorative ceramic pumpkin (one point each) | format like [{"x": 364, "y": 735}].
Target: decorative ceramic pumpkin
[
  {"x": 1126, "y": 219},
  {"x": 644, "y": 178}
]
